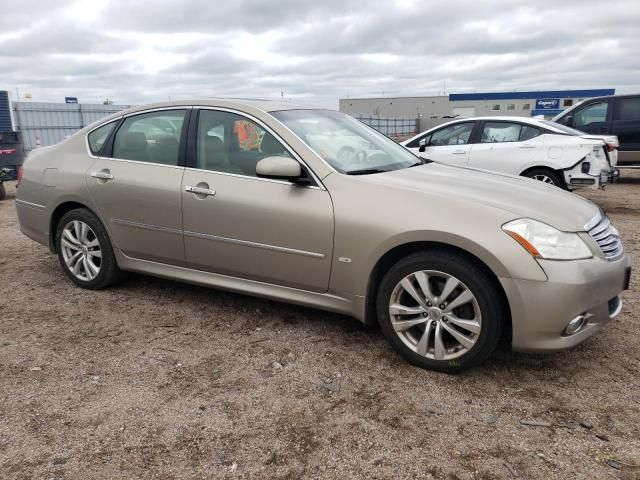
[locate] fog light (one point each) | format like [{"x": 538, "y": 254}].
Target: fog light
[
  {"x": 582, "y": 181},
  {"x": 575, "y": 325},
  {"x": 586, "y": 166}
]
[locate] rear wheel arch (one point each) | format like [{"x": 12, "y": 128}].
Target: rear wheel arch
[
  {"x": 57, "y": 215},
  {"x": 399, "y": 252},
  {"x": 558, "y": 173}
]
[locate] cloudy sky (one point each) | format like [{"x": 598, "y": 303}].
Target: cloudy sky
[{"x": 137, "y": 51}]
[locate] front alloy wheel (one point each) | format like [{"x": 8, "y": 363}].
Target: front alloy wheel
[
  {"x": 441, "y": 309},
  {"x": 435, "y": 315}
]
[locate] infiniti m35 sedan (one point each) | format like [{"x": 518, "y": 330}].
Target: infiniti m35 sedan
[{"x": 254, "y": 197}]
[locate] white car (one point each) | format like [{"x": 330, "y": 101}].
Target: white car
[{"x": 525, "y": 146}]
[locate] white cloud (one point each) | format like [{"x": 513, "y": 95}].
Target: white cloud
[{"x": 135, "y": 52}]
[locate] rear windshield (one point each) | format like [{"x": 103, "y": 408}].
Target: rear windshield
[{"x": 563, "y": 128}]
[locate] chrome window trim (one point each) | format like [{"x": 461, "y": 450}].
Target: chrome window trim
[
  {"x": 288, "y": 147},
  {"x": 249, "y": 177},
  {"x": 247, "y": 243}
]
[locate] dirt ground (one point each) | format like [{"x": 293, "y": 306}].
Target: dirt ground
[{"x": 159, "y": 380}]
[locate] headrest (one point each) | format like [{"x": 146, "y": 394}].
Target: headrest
[
  {"x": 135, "y": 141},
  {"x": 270, "y": 145}
]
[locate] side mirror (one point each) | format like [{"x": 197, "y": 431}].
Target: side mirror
[
  {"x": 281, "y": 168},
  {"x": 423, "y": 145},
  {"x": 568, "y": 121}
]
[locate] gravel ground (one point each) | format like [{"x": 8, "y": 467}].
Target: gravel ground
[{"x": 157, "y": 379}]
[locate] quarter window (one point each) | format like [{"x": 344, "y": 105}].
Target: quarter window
[
  {"x": 596, "y": 112},
  {"x": 230, "y": 143},
  {"x": 99, "y": 136},
  {"x": 502, "y": 132},
  {"x": 150, "y": 137},
  {"x": 457, "y": 134}
]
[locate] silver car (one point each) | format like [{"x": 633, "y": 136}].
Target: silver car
[{"x": 449, "y": 262}]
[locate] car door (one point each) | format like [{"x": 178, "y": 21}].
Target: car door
[
  {"x": 594, "y": 117},
  {"x": 450, "y": 144},
  {"x": 505, "y": 146},
  {"x": 626, "y": 126},
  {"x": 135, "y": 183},
  {"x": 238, "y": 224}
]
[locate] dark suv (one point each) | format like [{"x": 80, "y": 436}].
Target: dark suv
[{"x": 615, "y": 115}]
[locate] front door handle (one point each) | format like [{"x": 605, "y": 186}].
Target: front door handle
[
  {"x": 459, "y": 152},
  {"x": 103, "y": 175},
  {"x": 527, "y": 146},
  {"x": 200, "y": 191},
  {"x": 604, "y": 129}
]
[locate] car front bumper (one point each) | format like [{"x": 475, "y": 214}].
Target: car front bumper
[{"x": 541, "y": 311}]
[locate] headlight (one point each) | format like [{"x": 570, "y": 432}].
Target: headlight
[{"x": 544, "y": 241}]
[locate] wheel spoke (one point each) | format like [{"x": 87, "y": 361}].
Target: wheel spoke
[
  {"x": 77, "y": 230},
  {"x": 93, "y": 243},
  {"x": 402, "y": 325},
  {"x": 449, "y": 286},
  {"x": 423, "y": 343},
  {"x": 69, "y": 236},
  {"x": 84, "y": 230},
  {"x": 92, "y": 268},
  {"x": 397, "y": 309},
  {"x": 67, "y": 244},
  {"x": 87, "y": 269},
  {"x": 469, "y": 325},
  {"x": 438, "y": 345},
  {"x": 408, "y": 287},
  {"x": 95, "y": 253},
  {"x": 464, "y": 341},
  {"x": 461, "y": 299},
  {"x": 75, "y": 263},
  {"x": 423, "y": 281}
]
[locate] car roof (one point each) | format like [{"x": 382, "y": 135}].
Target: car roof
[{"x": 238, "y": 103}]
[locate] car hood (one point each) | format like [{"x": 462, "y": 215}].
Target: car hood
[{"x": 520, "y": 196}]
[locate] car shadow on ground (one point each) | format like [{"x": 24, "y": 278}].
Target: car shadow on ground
[{"x": 340, "y": 331}]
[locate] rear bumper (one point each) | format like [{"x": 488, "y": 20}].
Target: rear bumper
[{"x": 541, "y": 311}]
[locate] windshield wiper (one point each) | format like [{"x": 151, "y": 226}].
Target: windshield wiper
[
  {"x": 421, "y": 162},
  {"x": 366, "y": 171}
]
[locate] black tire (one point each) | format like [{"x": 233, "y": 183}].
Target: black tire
[
  {"x": 476, "y": 278},
  {"x": 3, "y": 192},
  {"x": 552, "y": 175},
  {"x": 109, "y": 272}
]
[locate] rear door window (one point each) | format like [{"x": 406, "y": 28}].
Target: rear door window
[
  {"x": 628, "y": 109},
  {"x": 150, "y": 137}
]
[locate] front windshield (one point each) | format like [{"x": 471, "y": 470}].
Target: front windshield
[
  {"x": 345, "y": 143},
  {"x": 564, "y": 128}
]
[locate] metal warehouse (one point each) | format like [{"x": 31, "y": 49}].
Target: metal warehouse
[{"x": 434, "y": 110}]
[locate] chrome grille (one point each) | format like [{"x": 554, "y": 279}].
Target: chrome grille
[{"x": 606, "y": 236}]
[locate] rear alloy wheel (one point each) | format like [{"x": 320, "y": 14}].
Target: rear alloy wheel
[
  {"x": 440, "y": 311},
  {"x": 545, "y": 175},
  {"x": 84, "y": 250}
]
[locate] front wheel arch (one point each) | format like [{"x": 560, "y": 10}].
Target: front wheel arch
[{"x": 399, "y": 252}]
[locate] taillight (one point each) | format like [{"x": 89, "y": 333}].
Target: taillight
[
  {"x": 19, "y": 175},
  {"x": 611, "y": 147}
]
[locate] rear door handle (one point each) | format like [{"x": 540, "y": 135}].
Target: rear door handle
[
  {"x": 604, "y": 129},
  {"x": 459, "y": 152},
  {"x": 102, "y": 175},
  {"x": 200, "y": 191},
  {"x": 527, "y": 146}
]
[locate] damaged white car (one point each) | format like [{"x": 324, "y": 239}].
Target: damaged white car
[{"x": 530, "y": 147}]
